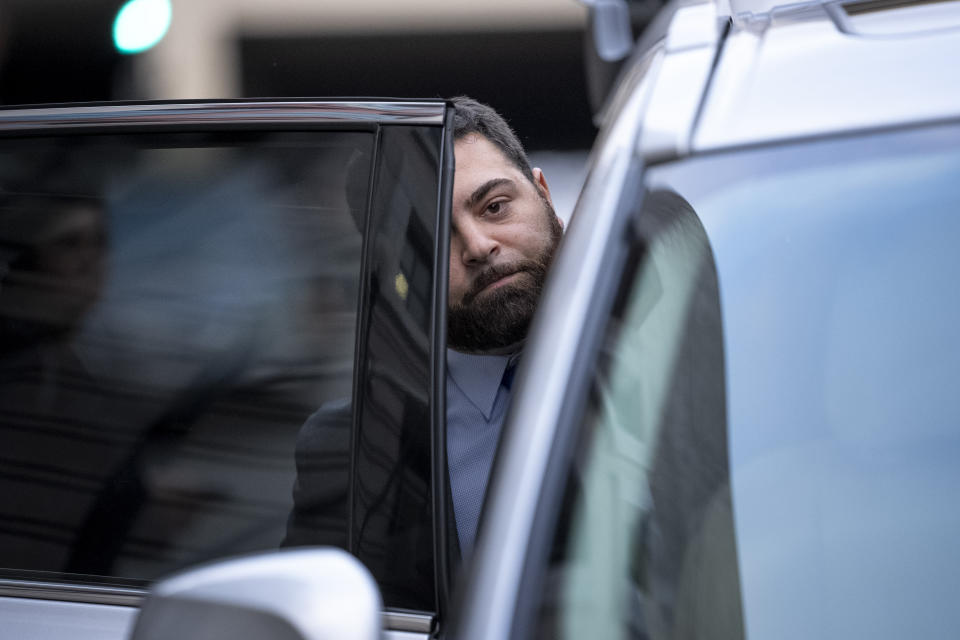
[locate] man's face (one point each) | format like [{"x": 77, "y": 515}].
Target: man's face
[{"x": 503, "y": 236}]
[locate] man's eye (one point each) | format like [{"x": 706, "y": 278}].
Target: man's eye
[{"x": 495, "y": 207}]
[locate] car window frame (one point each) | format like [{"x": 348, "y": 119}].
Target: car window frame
[{"x": 287, "y": 116}]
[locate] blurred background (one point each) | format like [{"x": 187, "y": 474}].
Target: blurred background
[
  {"x": 524, "y": 58},
  {"x": 175, "y": 306}
]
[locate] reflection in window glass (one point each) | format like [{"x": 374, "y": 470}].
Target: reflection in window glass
[
  {"x": 392, "y": 509},
  {"x": 648, "y": 549},
  {"x": 172, "y": 309}
]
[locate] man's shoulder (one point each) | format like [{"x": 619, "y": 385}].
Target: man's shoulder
[{"x": 328, "y": 427}]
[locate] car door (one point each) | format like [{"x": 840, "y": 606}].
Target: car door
[
  {"x": 757, "y": 435},
  {"x": 223, "y": 330}
]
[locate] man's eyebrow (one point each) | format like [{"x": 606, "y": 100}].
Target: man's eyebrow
[{"x": 480, "y": 192}]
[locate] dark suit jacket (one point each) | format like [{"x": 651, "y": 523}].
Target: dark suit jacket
[{"x": 391, "y": 504}]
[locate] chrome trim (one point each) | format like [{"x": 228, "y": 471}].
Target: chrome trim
[
  {"x": 29, "y": 619},
  {"x": 91, "y": 594},
  {"x": 403, "y": 621},
  {"x": 201, "y": 113},
  {"x": 133, "y": 597},
  {"x": 745, "y": 12},
  {"x": 495, "y": 572}
]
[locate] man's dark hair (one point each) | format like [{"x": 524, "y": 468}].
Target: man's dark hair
[{"x": 471, "y": 116}]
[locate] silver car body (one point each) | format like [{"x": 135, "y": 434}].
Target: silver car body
[{"x": 706, "y": 77}]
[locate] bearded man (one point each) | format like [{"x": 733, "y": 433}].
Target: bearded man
[
  {"x": 504, "y": 232},
  {"x": 503, "y": 236}
]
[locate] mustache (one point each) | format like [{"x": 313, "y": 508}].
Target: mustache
[{"x": 495, "y": 272}]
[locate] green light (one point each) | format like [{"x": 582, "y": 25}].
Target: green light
[{"x": 140, "y": 24}]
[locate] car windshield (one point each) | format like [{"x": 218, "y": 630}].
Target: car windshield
[
  {"x": 837, "y": 274},
  {"x": 772, "y": 447}
]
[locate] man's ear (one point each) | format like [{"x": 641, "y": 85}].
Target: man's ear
[{"x": 541, "y": 183}]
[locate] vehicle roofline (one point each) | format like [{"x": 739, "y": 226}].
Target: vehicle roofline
[{"x": 237, "y": 111}]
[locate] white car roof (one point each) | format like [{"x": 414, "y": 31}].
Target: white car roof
[
  {"x": 728, "y": 73},
  {"x": 814, "y": 69}
]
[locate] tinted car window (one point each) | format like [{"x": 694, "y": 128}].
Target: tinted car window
[
  {"x": 779, "y": 368},
  {"x": 173, "y": 308},
  {"x": 392, "y": 528}
]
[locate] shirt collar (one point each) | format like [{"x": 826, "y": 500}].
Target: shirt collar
[{"x": 478, "y": 377}]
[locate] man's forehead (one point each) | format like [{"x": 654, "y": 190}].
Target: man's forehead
[
  {"x": 478, "y": 161},
  {"x": 476, "y": 148}
]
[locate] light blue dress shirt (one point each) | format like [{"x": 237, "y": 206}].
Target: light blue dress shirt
[{"x": 476, "y": 405}]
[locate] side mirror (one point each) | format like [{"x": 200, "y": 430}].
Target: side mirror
[
  {"x": 297, "y": 594},
  {"x": 608, "y": 43}
]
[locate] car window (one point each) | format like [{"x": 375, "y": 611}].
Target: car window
[
  {"x": 392, "y": 528},
  {"x": 647, "y": 527},
  {"x": 770, "y": 447},
  {"x": 174, "y": 308}
]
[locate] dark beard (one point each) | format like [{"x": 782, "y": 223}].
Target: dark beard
[{"x": 495, "y": 320}]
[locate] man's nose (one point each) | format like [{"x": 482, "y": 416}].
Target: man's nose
[{"x": 478, "y": 246}]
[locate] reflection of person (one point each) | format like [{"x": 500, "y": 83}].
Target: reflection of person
[
  {"x": 504, "y": 232},
  {"x": 52, "y": 270},
  {"x": 54, "y": 257}
]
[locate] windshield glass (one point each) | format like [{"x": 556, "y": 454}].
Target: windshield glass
[
  {"x": 838, "y": 267},
  {"x": 771, "y": 447}
]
